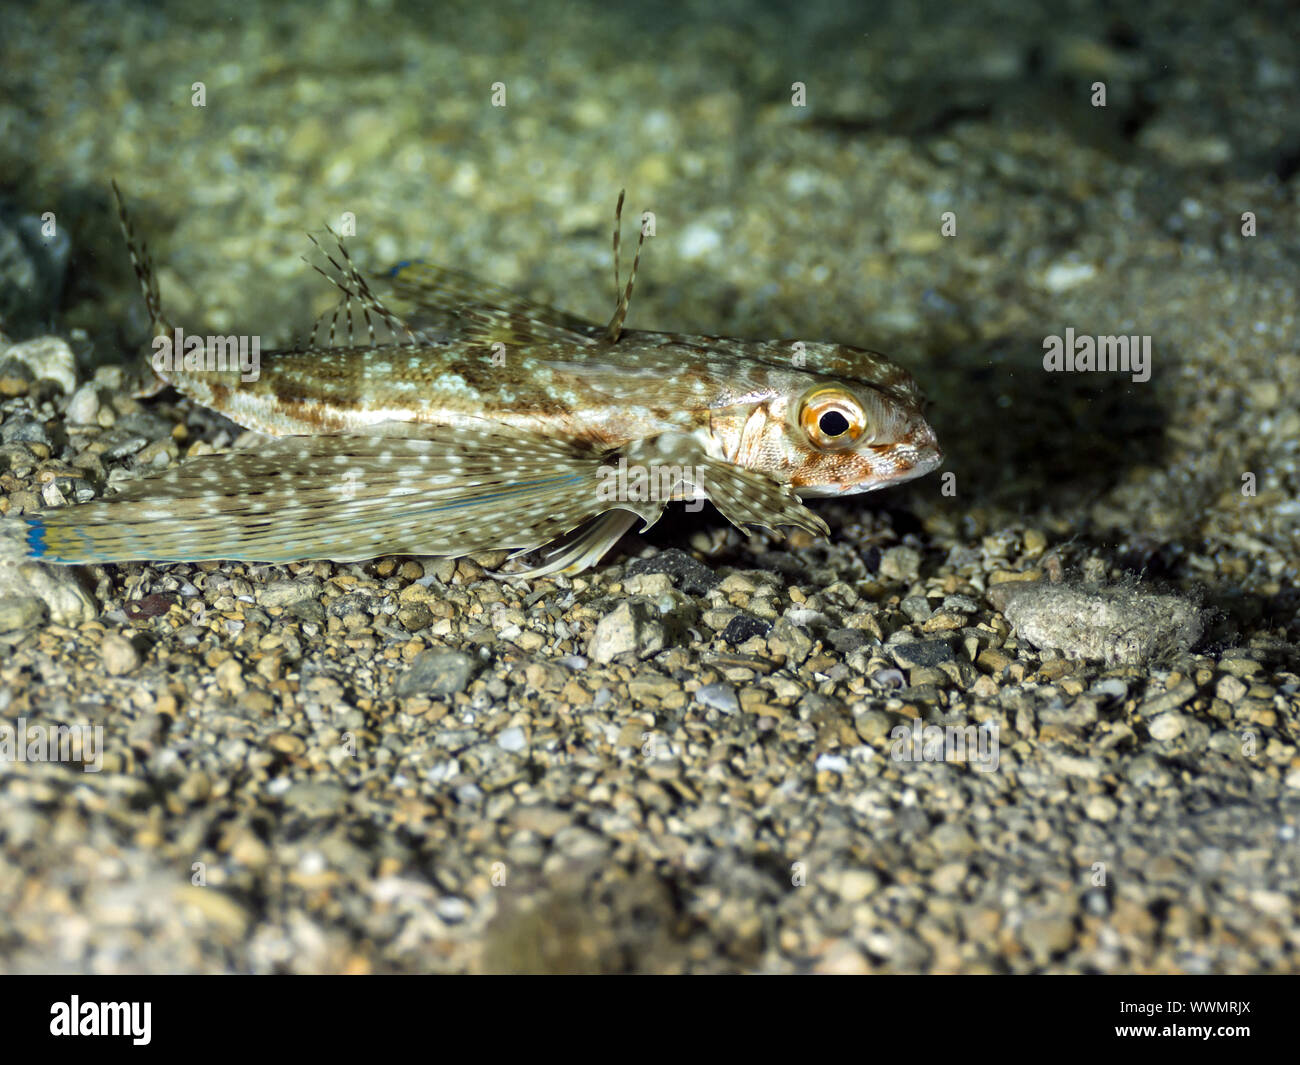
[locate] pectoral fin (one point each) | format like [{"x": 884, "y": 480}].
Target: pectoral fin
[
  {"x": 345, "y": 498},
  {"x": 748, "y": 498}
]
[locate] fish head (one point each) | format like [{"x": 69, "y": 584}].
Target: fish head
[{"x": 855, "y": 425}]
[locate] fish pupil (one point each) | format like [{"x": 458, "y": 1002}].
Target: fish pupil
[{"x": 833, "y": 423}]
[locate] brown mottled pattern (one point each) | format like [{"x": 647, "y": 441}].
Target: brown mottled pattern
[{"x": 476, "y": 419}]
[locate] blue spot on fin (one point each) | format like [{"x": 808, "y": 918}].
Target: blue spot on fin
[{"x": 35, "y": 537}]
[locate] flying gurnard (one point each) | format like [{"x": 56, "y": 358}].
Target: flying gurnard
[{"x": 475, "y": 420}]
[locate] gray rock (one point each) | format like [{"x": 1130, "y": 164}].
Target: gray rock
[
  {"x": 56, "y": 586},
  {"x": 438, "y": 673},
  {"x": 512, "y": 739},
  {"x": 83, "y": 407},
  {"x": 316, "y": 798},
  {"x": 719, "y": 697},
  {"x": 286, "y": 593},
  {"x": 49, "y": 358},
  {"x": 901, "y": 564},
  {"x": 922, "y": 653},
  {"x": 691, "y": 576},
  {"x": 1116, "y": 624},
  {"x": 19, "y": 612},
  {"x": 24, "y": 430},
  {"x": 917, "y": 607},
  {"x": 631, "y": 626}
]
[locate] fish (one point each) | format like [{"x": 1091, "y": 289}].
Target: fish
[{"x": 432, "y": 413}]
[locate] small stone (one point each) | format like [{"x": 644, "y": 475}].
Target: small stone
[
  {"x": 744, "y": 627},
  {"x": 1117, "y": 624},
  {"x": 286, "y": 743},
  {"x": 24, "y": 430},
  {"x": 1101, "y": 808},
  {"x": 854, "y": 885},
  {"x": 316, "y": 798},
  {"x": 119, "y": 654},
  {"x": 719, "y": 697},
  {"x": 414, "y": 617},
  {"x": 648, "y": 584},
  {"x": 15, "y": 378},
  {"x": 83, "y": 407},
  {"x": 439, "y": 673},
  {"x": 631, "y": 626},
  {"x": 1240, "y": 667},
  {"x": 688, "y": 574},
  {"x": 901, "y": 564},
  {"x": 230, "y": 677},
  {"x": 1047, "y": 935},
  {"x": 920, "y": 654},
  {"x": 1230, "y": 689},
  {"x": 512, "y": 739},
  {"x": 1111, "y": 687},
  {"x": 1166, "y": 726},
  {"x": 47, "y": 357},
  {"x": 195, "y": 788},
  {"x": 56, "y": 586},
  {"x": 831, "y": 763},
  {"x": 19, "y": 612},
  {"x": 916, "y": 607}
]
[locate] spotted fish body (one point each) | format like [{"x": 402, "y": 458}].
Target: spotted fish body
[{"x": 466, "y": 419}]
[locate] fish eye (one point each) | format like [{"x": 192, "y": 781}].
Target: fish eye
[{"x": 832, "y": 418}]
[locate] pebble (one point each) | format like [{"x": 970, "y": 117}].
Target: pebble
[
  {"x": 917, "y": 654},
  {"x": 1166, "y": 726},
  {"x": 18, "y": 612},
  {"x": 1101, "y": 808},
  {"x": 1047, "y": 935},
  {"x": 901, "y": 564},
  {"x": 718, "y": 697},
  {"x": 630, "y": 627},
  {"x": 687, "y": 573},
  {"x": 56, "y": 586},
  {"x": 512, "y": 739},
  {"x": 854, "y": 885},
  {"x": 48, "y": 358},
  {"x": 83, "y": 407},
  {"x": 119, "y": 654},
  {"x": 437, "y": 673},
  {"x": 1115, "y": 624},
  {"x": 743, "y": 627}
]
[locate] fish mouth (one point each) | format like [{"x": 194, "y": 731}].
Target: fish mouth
[{"x": 905, "y": 460}]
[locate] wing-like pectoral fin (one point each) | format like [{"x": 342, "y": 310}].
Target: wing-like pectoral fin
[
  {"x": 344, "y": 498},
  {"x": 748, "y": 498}
]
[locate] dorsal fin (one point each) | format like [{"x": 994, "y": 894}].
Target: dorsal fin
[
  {"x": 457, "y": 304},
  {"x": 615, "y": 328},
  {"x": 143, "y": 266},
  {"x": 359, "y": 301}
]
